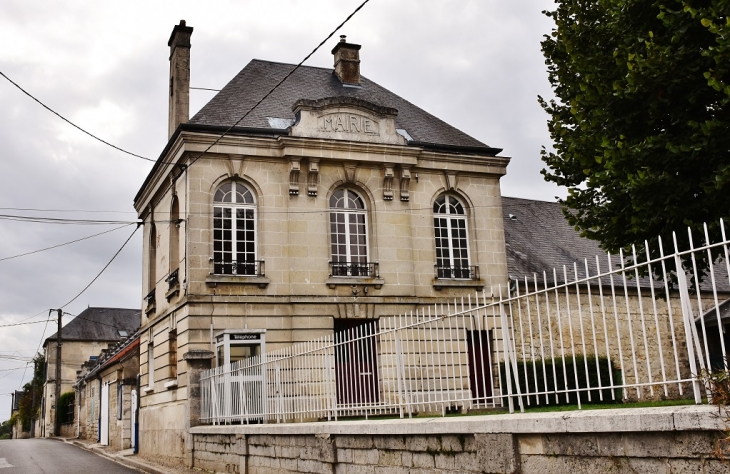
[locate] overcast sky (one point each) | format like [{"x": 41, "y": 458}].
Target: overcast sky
[{"x": 104, "y": 66}]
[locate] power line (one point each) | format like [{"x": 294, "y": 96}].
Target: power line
[
  {"x": 205, "y": 89},
  {"x": 99, "y": 322},
  {"x": 38, "y": 349},
  {"x": 65, "y": 243},
  {"x": 279, "y": 83},
  {"x": 19, "y": 324},
  {"x": 34, "y": 209},
  {"x": 56, "y": 220},
  {"x": 102, "y": 270},
  {"x": 73, "y": 124}
]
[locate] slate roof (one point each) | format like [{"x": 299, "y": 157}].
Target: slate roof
[
  {"x": 313, "y": 83},
  {"x": 538, "y": 238},
  {"x": 100, "y": 324}
]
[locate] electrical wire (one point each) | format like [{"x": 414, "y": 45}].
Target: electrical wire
[
  {"x": 73, "y": 124},
  {"x": 205, "y": 89},
  {"x": 43, "y": 337},
  {"x": 65, "y": 243},
  {"x": 56, "y": 220},
  {"x": 228, "y": 130},
  {"x": 102, "y": 270},
  {"x": 100, "y": 322},
  {"x": 19, "y": 324},
  {"x": 34, "y": 209}
]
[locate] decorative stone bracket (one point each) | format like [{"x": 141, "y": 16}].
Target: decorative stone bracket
[
  {"x": 405, "y": 183},
  {"x": 451, "y": 179},
  {"x": 294, "y": 168},
  {"x": 313, "y": 177},
  {"x": 388, "y": 183}
]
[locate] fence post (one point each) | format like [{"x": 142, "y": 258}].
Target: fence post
[
  {"x": 510, "y": 365},
  {"x": 690, "y": 330},
  {"x": 198, "y": 361}
]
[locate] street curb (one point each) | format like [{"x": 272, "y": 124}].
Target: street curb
[{"x": 119, "y": 459}]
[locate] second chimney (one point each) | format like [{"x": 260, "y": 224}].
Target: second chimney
[
  {"x": 179, "y": 76},
  {"x": 347, "y": 61}
]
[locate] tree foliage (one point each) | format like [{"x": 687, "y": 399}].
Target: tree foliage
[
  {"x": 641, "y": 120},
  {"x": 30, "y": 403}
]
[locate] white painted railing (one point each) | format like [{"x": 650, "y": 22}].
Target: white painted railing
[{"x": 602, "y": 331}]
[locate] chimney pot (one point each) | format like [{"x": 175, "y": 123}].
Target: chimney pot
[{"x": 347, "y": 61}]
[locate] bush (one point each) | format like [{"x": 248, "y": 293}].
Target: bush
[
  {"x": 66, "y": 407},
  {"x": 557, "y": 384}
]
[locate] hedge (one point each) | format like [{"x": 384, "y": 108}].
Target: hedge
[{"x": 557, "y": 384}]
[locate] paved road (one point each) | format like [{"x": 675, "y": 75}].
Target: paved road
[{"x": 47, "y": 456}]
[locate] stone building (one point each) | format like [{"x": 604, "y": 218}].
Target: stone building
[
  {"x": 331, "y": 203},
  {"x": 106, "y": 393},
  {"x": 82, "y": 338}
]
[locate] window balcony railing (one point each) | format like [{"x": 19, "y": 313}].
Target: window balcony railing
[
  {"x": 150, "y": 298},
  {"x": 354, "y": 269},
  {"x": 446, "y": 272},
  {"x": 234, "y": 267},
  {"x": 172, "y": 279}
]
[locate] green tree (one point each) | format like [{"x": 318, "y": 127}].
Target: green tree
[
  {"x": 30, "y": 403},
  {"x": 641, "y": 119}
]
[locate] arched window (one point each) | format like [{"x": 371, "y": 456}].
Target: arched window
[
  {"x": 452, "y": 241},
  {"x": 234, "y": 230},
  {"x": 348, "y": 234}
]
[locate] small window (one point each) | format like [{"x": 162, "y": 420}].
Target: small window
[
  {"x": 234, "y": 231},
  {"x": 452, "y": 240},
  {"x": 349, "y": 234},
  {"x": 173, "y": 354}
]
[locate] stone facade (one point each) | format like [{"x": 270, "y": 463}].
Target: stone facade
[
  {"x": 295, "y": 295},
  {"x": 76, "y": 351}
]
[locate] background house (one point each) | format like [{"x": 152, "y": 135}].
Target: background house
[
  {"x": 539, "y": 239},
  {"x": 83, "y": 337},
  {"x": 106, "y": 392},
  {"x": 333, "y": 203}
]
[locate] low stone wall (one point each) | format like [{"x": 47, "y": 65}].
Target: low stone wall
[{"x": 661, "y": 440}]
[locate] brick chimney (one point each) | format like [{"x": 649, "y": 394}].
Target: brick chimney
[
  {"x": 179, "y": 76},
  {"x": 347, "y": 61}
]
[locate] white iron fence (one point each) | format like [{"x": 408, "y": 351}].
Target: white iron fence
[{"x": 603, "y": 331}]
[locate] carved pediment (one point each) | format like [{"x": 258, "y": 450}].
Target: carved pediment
[{"x": 346, "y": 118}]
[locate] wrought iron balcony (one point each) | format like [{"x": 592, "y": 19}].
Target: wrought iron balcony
[
  {"x": 150, "y": 298},
  {"x": 234, "y": 267},
  {"x": 446, "y": 272},
  {"x": 172, "y": 279},
  {"x": 354, "y": 269}
]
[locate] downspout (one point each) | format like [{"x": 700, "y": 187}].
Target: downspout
[
  {"x": 98, "y": 421},
  {"x": 78, "y": 413},
  {"x": 136, "y": 416}
]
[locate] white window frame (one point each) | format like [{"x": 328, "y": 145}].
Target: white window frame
[
  {"x": 348, "y": 212},
  {"x": 452, "y": 219},
  {"x": 238, "y": 193}
]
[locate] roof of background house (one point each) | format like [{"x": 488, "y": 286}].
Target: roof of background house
[
  {"x": 101, "y": 324},
  {"x": 313, "y": 83},
  {"x": 538, "y": 238}
]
